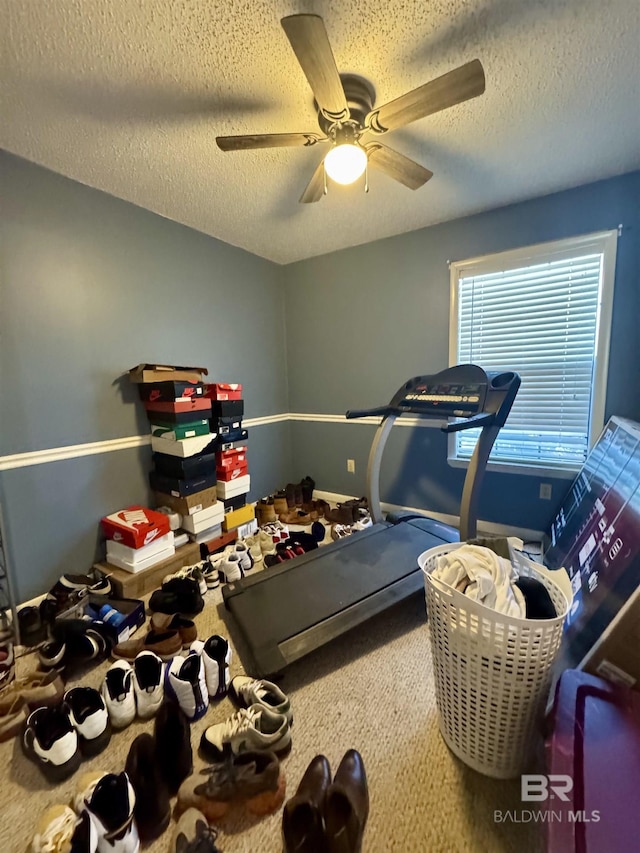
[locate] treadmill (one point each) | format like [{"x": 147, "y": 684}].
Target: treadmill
[{"x": 287, "y": 611}]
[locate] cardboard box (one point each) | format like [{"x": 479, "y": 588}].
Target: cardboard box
[
  {"x": 234, "y": 503},
  {"x": 205, "y": 535},
  {"x": 228, "y": 408},
  {"x": 140, "y": 565},
  {"x": 222, "y": 391},
  {"x": 227, "y": 474},
  {"x": 232, "y": 488},
  {"x": 129, "y": 585},
  {"x": 617, "y": 656},
  {"x": 231, "y": 439},
  {"x": 157, "y": 392},
  {"x": 220, "y": 542},
  {"x": 231, "y": 458},
  {"x": 180, "y": 488},
  {"x": 183, "y": 447},
  {"x": 188, "y": 504},
  {"x": 205, "y": 518},
  {"x": 193, "y": 466},
  {"x": 131, "y": 608},
  {"x": 238, "y": 516},
  {"x": 244, "y": 530},
  {"x": 231, "y": 453},
  {"x": 178, "y": 432},
  {"x": 136, "y": 556},
  {"x": 225, "y": 429},
  {"x": 166, "y": 373},
  {"x": 135, "y": 526},
  {"x": 187, "y": 404},
  {"x": 173, "y": 419}
]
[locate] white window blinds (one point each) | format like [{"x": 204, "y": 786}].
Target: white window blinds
[{"x": 540, "y": 317}]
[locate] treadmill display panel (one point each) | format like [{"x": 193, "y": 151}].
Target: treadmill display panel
[
  {"x": 445, "y": 399},
  {"x": 596, "y": 536}
]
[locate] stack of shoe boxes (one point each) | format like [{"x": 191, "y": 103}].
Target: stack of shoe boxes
[
  {"x": 184, "y": 475},
  {"x": 232, "y": 468},
  {"x": 137, "y": 538}
]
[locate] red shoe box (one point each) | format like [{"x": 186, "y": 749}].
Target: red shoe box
[
  {"x": 221, "y": 391},
  {"x": 231, "y": 458},
  {"x": 135, "y": 526},
  {"x": 190, "y": 404},
  {"x": 156, "y": 392},
  {"x": 227, "y": 474}
]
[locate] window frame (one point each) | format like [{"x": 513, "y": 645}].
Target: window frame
[{"x": 601, "y": 241}]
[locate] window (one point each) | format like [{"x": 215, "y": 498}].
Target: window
[{"x": 544, "y": 311}]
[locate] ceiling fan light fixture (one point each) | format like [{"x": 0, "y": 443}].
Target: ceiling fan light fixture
[{"x": 345, "y": 163}]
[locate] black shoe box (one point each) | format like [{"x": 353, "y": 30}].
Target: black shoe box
[
  {"x": 167, "y": 392},
  {"x": 228, "y": 409},
  {"x": 231, "y": 440},
  {"x": 170, "y": 418},
  {"x": 179, "y": 487},
  {"x": 234, "y": 503},
  {"x": 227, "y": 423},
  {"x": 185, "y": 468}
]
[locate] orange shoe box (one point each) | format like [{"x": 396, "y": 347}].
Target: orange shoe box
[
  {"x": 221, "y": 391},
  {"x": 228, "y": 474}
]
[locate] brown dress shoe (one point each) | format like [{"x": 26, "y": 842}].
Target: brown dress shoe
[
  {"x": 302, "y": 828},
  {"x": 347, "y": 805}
]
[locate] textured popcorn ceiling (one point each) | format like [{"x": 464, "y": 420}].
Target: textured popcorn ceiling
[{"x": 128, "y": 95}]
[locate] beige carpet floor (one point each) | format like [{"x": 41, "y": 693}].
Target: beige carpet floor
[{"x": 371, "y": 689}]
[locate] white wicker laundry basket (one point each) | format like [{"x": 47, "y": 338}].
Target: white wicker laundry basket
[{"x": 492, "y": 671}]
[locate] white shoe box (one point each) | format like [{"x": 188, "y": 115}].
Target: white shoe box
[
  {"x": 134, "y": 556},
  {"x": 204, "y": 519},
  {"x": 233, "y": 488},
  {"x": 183, "y": 447},
  {"x": 206, "y": 535},
  {"x": 128, "y": 566}
]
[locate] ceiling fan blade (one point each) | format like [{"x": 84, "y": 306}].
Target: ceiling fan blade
[
  {"x": 397, "y": 166},
  {"x": 456, "y": 86},
  {"x": 310, "y": 43},
  {"x": 268, "y": 140},
  {"x": 315, "y": 188}
]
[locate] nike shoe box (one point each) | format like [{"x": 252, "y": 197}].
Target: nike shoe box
[
  {"x": 231, "y": 458},
  {"x": 179, "y": 487},
  {"x": 135, "y": 556},
  {"x": 183, "y": 447},
  {"x": 135, "y": 526},
  {"x": 187, "y": 404},
  {"x": 227, "y": 424},
  {"x": 189, "y": 504},
  {"x": 237, "y": 517},
  {"x": 232, "y": 488},
  {"x": 141, "y": 565},
  {"x": 217, "y": 543},
  {"x": 178, "y": 432},
  {"x": 227, "y": 474},
  {"x": 228, "y": 409},
  {"x": 166, "y": 373},
  {"x": 204, "y": 519},
  {"x": 206, "y": 535},
  {"x": 222, "y": 391},
  {"x": 234, "y": 503},
  {"x": 132, "y": 609},
  {"x": 193, "y": 466},
  {"x": 229, "y": 442},
  {"x": 173, "y": 419},
  {"x": 157, "y": 392}
]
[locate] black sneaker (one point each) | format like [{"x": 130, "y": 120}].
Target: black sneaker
[
  {"x": 178, "y": 595},
  {"x": 152, "y": 808},
  {"x": 51, "y": 742},
  {"x": 75, "y": 644},
  {"x": 173, "y": 738},
  {"x": 31, "y": 629}
]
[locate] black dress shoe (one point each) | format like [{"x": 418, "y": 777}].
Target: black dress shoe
[
  {"x": 302, "y": 827},
  {"x": 173, "y": 740},
  {"x": 346, "y": 805},
  {"x": 153, "y": 807}
]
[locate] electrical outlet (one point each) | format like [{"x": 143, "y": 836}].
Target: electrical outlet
[
  {"x": 351, "y": 466},
  {"x": 545, "y": 491}
]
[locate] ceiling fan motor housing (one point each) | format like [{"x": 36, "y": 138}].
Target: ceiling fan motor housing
[{"x": 360, "y": 96}]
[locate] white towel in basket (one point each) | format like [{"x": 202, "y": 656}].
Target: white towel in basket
[{"x": 488, "y": 578}]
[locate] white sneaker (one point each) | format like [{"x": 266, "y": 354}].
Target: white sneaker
[
  {"x": 210, "y": 572},
  {"x": 50, "y": 740},
  {"x": 253, "y": 544},
  {"x": 244, "y": 556},
  {"x": 110, "y": 807},
  {"x": 185, "y": 680},
  {"x": 216, "y": 655},
  {"x": 229, "y": 568},
  {"x": 148, "y": 683},
  {"x": 118, "y": 694},
  {"x": 89, "y": 717},
  {"x": 247, "y": 691},
  {"x": 254, "y": 728},
  {"x": 267, "y": 545}
]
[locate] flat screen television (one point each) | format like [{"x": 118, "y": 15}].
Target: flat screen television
[{"x": 595, "y": 535}]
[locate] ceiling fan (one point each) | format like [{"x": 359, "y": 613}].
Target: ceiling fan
[{"x": 347, "y": 116}]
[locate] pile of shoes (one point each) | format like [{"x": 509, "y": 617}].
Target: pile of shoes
[
  {"x": 292, "y": 505},
  {"x": 75, "y": 644},
  {"x": 23, "y": 695}
]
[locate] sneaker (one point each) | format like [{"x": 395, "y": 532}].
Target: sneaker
[
  {"x": 152, "y": 808},
  {"x": 194, "y": 835},
  {"x": 60, "y": 829},
  {"x": 165, "y": 644},
  {"x": 229, "y": 569},
  {"x": 254, "y": 728},
  {"x": 244, "y": 556},
  {"x": 36, "y": 689},
  {"x": 194, "y": 572},
  {"x": 50, "y": 741},
  {"x": 267, "y": 545},
  {"x": 246, "y": 691},
  {"x": 13, "y": 716},
  {"x": 210, "y": 572},
  {"x": 69, "y": 589},
  {"x": 76, "y": 644},
  {"x": 254, "y": 780},
  {"x": 89, "y": 717},
  {"x": 253, "y": 544},
  {"x": 118, "y": 694},
  {"x": 173, "y": 737},
  {"x": 110, "y": 806},
  {"x": 148, "y": 684},
  {"x": 31, "y": 629},
  {"x": 179, "y": 595},
  {"x": 216, "y": 655},
  {"x": 185, "y": 680},
  {"x": 175, "y": 622}
]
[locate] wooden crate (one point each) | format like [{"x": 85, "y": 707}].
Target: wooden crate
[{"x": 137, "y": 584}]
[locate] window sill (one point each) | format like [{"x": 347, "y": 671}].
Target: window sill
[{"x": 557, "y": 472}]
